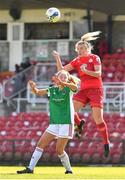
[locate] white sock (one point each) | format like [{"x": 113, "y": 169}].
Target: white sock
[
  {"x": 35, "y": 157},
  {"x": 65, "y": 161}
]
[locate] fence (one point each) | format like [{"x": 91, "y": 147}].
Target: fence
[
  {"x": 1, "y": 93},
  {"x": 13, "y": 86},
  {"x": 114, "y": 93},
  {"x": 114, "y": 96}
]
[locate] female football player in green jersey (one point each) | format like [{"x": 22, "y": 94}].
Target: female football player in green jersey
[{"x": 61, "y": 119}]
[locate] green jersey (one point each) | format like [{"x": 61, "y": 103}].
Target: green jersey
[{"x": 61, "y": 105}]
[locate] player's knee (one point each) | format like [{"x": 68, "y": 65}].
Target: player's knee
[
  {"x": 41, "y": 145},
  {"x": 98, "y": 120}
]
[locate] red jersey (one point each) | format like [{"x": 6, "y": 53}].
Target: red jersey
[{"x": 87, "y": 81}]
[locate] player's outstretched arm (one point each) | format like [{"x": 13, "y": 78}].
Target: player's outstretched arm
[
  {"x": 59, "y": 65},
  {"x": 35, "y": 90},
  {"x": 58, "y": 60}
]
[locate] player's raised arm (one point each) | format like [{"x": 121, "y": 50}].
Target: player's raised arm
[
  {"x": 58, "y": 60},
  {"x": 35, "y": 90},
  {"x": 59, "y": 65}
]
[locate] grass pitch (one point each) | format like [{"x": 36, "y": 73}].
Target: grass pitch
[{"x": 52, "y": 173}]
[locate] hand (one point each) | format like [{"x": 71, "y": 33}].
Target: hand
[
  {"x": 56, "y": 54},
  {"x": 32, "y": 84},
  {"x": 83, "y": 67}
]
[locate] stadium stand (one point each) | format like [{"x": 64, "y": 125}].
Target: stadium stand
[
  {"x": 19, "y": 134},
  {"x": 113, "y": 70},
  {"x": 5, "y": 76}
]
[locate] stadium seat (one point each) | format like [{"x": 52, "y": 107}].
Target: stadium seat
[
  {"x": 8, "y": 155},
  {"x": 113, "y": 69},
  {"x": 18, "y": 156},
  {"x": 85, "y": 158},
  {"x": 73, "y": 146},
  {"x": 46, "y": 157},
  {"x": 96, "y": 158},
  {"x": 27, "y": 128},
  {"x": 75, "y": 158},
  {"x": 107, "y": 56},
  {"x": 116, "y": 158},
  {"x": 55, "y": 158}
]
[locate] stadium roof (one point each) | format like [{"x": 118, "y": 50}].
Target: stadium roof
[{"x": 111, "y": 7}]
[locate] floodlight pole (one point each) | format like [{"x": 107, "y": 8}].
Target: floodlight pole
[
  {"x": 89, "y": 20},
  {"x": 110, "y": 23}
]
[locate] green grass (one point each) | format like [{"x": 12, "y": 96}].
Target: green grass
[{"x": 51, "y": 173}]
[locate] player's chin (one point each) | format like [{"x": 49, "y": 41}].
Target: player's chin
[
  {"x": 56, "y": 83},
  {"x": 80, "y": 55}
]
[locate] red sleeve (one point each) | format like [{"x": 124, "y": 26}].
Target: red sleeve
[
  {"x": 73, "y": 63},
  {"x": 97, "y": 60}
]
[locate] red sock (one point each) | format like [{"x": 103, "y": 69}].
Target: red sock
[
  {"x": 77, "y": 119},
  {"x": 103, "y": 131}
]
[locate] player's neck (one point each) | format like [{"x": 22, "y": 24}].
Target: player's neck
[
  {"x": 61, "y": 87},
  {"x": 84, "y": 55}
]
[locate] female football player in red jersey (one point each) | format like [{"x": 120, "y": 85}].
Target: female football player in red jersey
[{"x": 88, "y": 66}]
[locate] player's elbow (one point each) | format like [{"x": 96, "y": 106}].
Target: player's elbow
[{"x": 98, "y": 75}]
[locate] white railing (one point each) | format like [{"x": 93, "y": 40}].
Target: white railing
[
  {"x": 34, "y": 99},
  {"x": 16, "y": 84},
  {"x": 114, "y": 96},
  {"x": 44, "y": 71},
  {"x": 13, "y": 87},
  {"x": 114, "y": 93},
  {"x": 1, "y": 93}
]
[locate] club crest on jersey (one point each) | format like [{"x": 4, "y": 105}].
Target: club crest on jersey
[
  {"x": 54, "y": 92},
  {"x": 98, "y": 59},
  {"x": 64, "y": 92},
  {"x": 90, "y": 60}
]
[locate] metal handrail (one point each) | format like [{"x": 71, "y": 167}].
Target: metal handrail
[
  {"x": 1, "y": 93},
  {"x": 17, "y": 84},
  {"x": 114, "y": 94}
]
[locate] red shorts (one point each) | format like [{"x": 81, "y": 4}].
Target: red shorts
[{"x": 94, "y": 96}]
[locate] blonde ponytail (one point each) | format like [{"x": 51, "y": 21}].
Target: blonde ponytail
[{"x": 90, "y": 36}]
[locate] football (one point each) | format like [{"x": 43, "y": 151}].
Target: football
[{"x": 53, "y": 14}]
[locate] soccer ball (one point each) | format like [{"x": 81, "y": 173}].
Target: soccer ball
[{"x": 53, "y": 14}]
